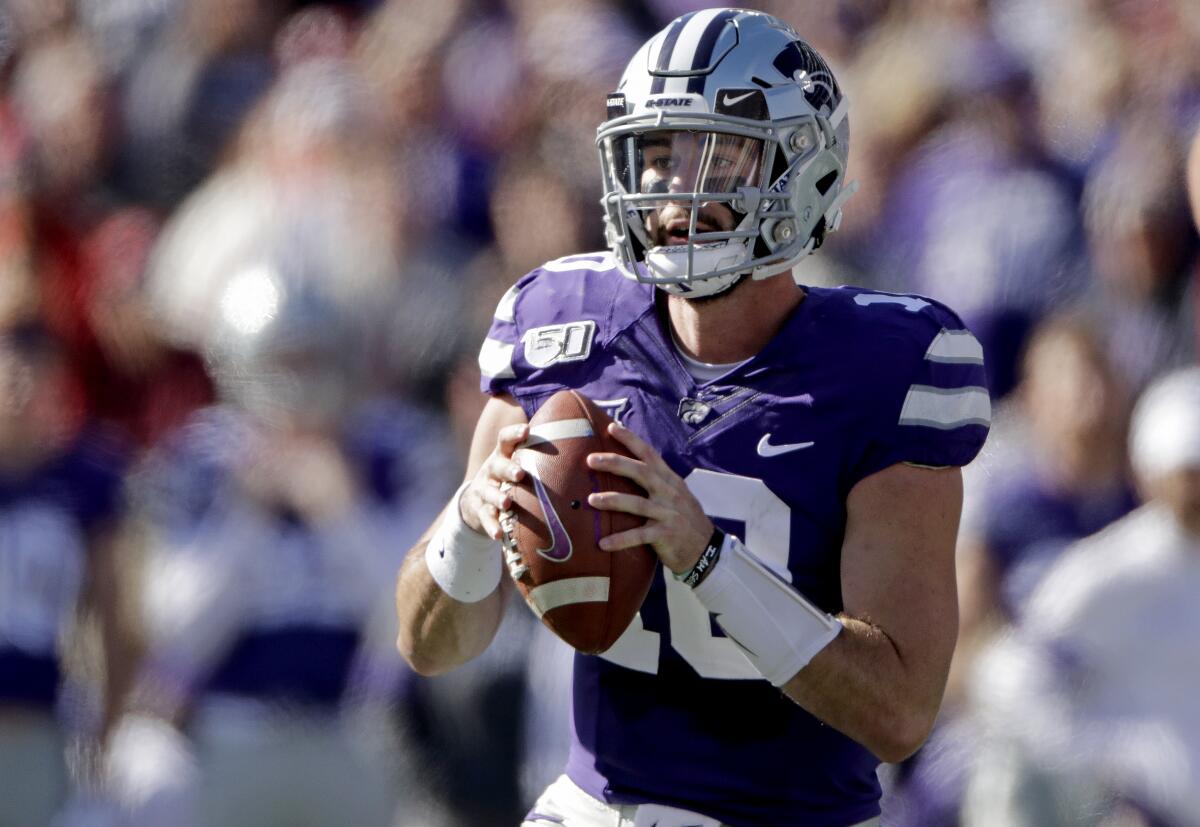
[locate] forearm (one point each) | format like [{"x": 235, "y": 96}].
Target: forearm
[
  {"x": 449, "y": 595},
  {"x": 438, "y": 633},
  {"x": 861, "y": 686},
  {"x": 850, "y": 673},
  {"x": 882, "y": 679}
]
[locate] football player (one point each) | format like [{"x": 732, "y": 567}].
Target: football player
[
  {"x": 800, "y": 449},
  {"x": 271, "y": 517}
]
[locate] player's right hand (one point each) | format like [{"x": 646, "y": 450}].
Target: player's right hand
[{"x": 487, "y": 495}]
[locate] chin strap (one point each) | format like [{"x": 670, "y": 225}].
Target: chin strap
[
  {"x": 839, "y": 113},
  {"x": 833, "y": 215}
]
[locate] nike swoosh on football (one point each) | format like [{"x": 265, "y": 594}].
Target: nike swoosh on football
[
  {"x": 766, "y": 449},
  {"x": 560, "y": 542},
  {"x": 731, "y": 101}
]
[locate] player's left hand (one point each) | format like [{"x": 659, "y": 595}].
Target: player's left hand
[{"x": 676, "y": 526}]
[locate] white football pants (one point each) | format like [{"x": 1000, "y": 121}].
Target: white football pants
[{"x": 564, "y": 804}]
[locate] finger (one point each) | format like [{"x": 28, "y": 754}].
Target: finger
[
  {"x": 632, "y": 469},
  {"x": 636, "y": 445},
  {"x": 489, "y": 517},
  {"x": 503, "y": 469},
  {"x": 509, "y": 437},
  {"x": 629, "y": 504},
  {"x": 499, "y": 497},
  {"x": 640, "y": 536}
]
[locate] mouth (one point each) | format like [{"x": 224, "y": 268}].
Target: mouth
[{"x": 676, "y": 231}]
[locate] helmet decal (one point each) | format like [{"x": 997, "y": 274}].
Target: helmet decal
[
  {"x": 800, "y": 63},
  {"x": 689, "y": 50}
]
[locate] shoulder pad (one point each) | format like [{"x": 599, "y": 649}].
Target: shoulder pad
[{"x": 555, "y": 316}]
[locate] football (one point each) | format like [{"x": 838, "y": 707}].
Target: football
[{"x": 585, "y": 595}]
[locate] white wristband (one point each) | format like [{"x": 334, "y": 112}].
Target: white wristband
[
  {"x": 776, "y": 627},
  {"x": 463, "y": 562}
]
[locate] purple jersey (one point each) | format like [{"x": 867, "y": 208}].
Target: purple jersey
[{"x": 854, "y": 382}]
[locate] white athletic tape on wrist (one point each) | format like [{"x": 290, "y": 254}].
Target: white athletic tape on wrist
[
  {"x": 463, "y": 562},
  {"x": 777, "y": 629}
]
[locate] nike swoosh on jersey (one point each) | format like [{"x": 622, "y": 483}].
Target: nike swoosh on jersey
[
  {"x": 730, "y": 101},
  {"x": 560, "y": 542},
  {"x": 766, "y": 449}
]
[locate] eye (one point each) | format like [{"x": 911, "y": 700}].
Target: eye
[{"x": 665, "y": 163}]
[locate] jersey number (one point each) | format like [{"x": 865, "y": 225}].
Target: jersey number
[{"x": 768, "y": 529}]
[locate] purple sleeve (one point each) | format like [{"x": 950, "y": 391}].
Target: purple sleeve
[
  {"x": 497, "y": 368},
  {"x": 547, "y": 325},
  {"x": 934, "y": 407}
]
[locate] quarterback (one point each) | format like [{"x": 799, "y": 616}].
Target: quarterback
[{"x": 800, "y": 449}]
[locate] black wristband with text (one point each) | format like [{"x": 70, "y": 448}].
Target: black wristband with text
[{"x": 708, "y": 558}]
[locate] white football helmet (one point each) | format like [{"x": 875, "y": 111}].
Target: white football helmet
[{"x": 724, "y": 153}]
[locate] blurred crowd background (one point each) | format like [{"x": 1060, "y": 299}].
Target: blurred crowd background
[{"x": 248, "y": 252}]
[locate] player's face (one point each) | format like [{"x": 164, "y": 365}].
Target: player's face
[{"x": 694, "y": 162}]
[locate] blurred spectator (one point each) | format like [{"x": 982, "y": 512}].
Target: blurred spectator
[
  {"x": 60, "y": 508},
  {"x": 1091, "y": 705},
  {"x": 187, "y": 94},
  {"x": 1193, "y": 177},
  {"x": 974, "y": 214},
  {"x": 130, "y": 375},
  {"x": 19, "y": 294},
  {"x": 88, "y": 256},
  {"x": 277, "y": 520},
  {"x": 1141, "y": 250},
  {"x": 1066, "y": 479},
  {"x": 309, "y": 158}
]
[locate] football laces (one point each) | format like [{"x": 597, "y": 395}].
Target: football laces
[{"x": 512, "y": 555}]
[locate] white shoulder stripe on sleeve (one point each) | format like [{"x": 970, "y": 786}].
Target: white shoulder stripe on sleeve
[
  {"x": 506, "y": 308},
  {"x": 946, "y": 409},
  {"x": 495, "y": 359},
  {"x": 956, "y": 347}
]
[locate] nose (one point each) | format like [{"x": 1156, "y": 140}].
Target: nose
[{"x": 683, "y": 177}]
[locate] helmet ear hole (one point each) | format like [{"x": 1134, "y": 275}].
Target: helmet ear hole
[
  {"x": 826, "y": 181},
  {"x": 818, "y": 233}
]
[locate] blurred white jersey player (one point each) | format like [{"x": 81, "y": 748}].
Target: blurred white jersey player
[
  {"x": 1096, "y": 696},
  {"x": 276, "y": 515}
]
